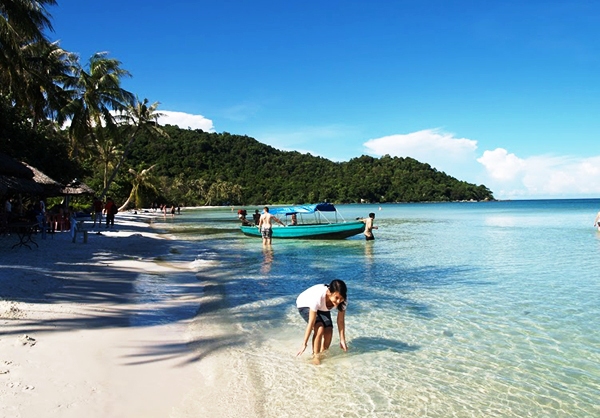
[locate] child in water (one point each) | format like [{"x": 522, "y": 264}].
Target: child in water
[{"x": 314, "y": 305}]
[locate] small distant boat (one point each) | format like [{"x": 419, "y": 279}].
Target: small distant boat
[{"x": 317, "y": 221}]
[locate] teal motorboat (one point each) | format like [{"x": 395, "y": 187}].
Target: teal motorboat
[{"x": 317, "y": 221}]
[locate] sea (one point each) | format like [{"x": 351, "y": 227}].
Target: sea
[{"x": 466, "y": 309}]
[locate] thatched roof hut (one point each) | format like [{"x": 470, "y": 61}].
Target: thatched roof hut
[
  {"x": 18, "y": 177},
  {"x": 19, "y": 185},
  {"x": 11, "y": 167},
  {"x": 50, "y": 187}
]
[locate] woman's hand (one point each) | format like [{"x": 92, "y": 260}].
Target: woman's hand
[
  {"x": 301, "y": 351},
  {"x": 343, "y": 345}
]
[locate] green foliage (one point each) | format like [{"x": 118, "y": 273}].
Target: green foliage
[
  {"x": 197, "y": 167},
  {"x": 41, "y": 146}
]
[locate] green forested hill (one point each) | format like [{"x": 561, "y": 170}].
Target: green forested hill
[{"x": 221, "y": 168}]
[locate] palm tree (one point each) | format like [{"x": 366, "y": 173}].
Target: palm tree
[
  {"x": 142, "y": 178},
  {"x": 108, "y": 151},
  {"x": 21, "y": 22},
  {"x": 31, "y": 68},
  {"x": 95, "y": 93},
  {"x": 222, "y": 192},
  {"x": 139, "y": 118},
  {"x": 48, "y": 69},
  {"x": 197, "y": 190}
]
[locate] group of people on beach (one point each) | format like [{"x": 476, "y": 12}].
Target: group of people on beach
[
  {"x": 108, "y": 208},
  {"x": 33, "y": 209}
]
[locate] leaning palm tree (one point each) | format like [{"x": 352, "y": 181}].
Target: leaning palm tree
[
  {"x": 142, "y": 178},
  {"x": 96, "y": 92},
  {"x": 139, "y": 118}
]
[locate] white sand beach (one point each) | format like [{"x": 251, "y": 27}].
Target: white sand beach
[{"x": 77, "y": 337}]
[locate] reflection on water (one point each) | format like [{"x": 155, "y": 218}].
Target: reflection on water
[
  {"x": 369, "y": 251},
  {"x": 267, "y": 260},
  {"x": 455, "y": 310}
]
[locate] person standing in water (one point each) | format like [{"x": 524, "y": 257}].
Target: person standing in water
[
  {"x": 315, "y": 305},
  {"x": 369, "y": 227},
  {"x": 265, "y": 225},
  {"x": 597, "y": 221}
]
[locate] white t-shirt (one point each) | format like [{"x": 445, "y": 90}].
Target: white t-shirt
[{"x": 314, "y": 298}]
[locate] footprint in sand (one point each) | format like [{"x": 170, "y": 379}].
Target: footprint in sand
[
  {"x": 27, "y": 340},
  {"x": 5, "y": 369}
]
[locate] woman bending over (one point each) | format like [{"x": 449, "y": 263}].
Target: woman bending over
[{"x": 315, "y": 305}]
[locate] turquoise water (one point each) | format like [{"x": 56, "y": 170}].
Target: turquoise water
[{"x": 455, "y": 310}]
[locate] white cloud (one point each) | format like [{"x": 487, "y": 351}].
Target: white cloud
[
  {"x": 421, "y": 145},
  {"x": 501, "y": 165},
  {"x": 442, "y": 150},
  {"x": 186, "y": 120},
  {"x": 505, "y": 173},
  {"x": 541, "y": 176}
]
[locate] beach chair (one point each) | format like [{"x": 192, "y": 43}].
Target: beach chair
[{"x": 78, "y": 227}]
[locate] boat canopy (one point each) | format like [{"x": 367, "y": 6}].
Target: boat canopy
[{"x": 290, "y": 210}]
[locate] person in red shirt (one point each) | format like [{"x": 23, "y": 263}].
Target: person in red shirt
[{"x": 111, "y": 210}]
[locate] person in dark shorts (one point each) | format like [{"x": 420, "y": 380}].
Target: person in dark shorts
[
  {"x": 265, "y": 224},
  {"x": 369, "y": 227},
  {"x": 315, "y": 305}
]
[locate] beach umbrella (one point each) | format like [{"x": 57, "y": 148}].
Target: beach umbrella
[{"x": 76, "y": 187}]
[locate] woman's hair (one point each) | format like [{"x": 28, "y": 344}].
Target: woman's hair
[{"x": 340, "y": 287}]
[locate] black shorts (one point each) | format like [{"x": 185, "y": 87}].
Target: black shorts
[{"x": 323, "y": 317}]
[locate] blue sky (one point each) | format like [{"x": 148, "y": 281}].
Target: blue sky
[{"x": 501, "y": 93}]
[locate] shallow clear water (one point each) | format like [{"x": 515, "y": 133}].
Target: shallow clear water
[{"x": 455, "y": 310}]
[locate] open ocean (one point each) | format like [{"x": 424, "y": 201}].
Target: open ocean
[{"x": 455, "y": 310}]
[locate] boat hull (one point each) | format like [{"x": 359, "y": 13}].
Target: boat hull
[{"x": 319, "y": 231}]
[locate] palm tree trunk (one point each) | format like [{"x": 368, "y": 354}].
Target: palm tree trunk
[
  {"x": 122, "y": 208},
  {"x": 118, "y": 166}
]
